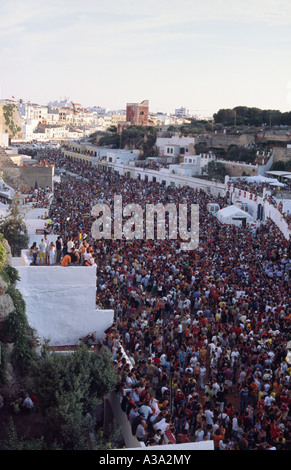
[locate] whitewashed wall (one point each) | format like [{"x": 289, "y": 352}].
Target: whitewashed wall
[
  {"x": 210, "y": 187},
  {"x": 270, "y": 210},
  {"x": 61, "y": 302}
]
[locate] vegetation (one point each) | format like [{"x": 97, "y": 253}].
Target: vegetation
[
  {"x": 241, "y": 154},
  {"x": 133, "y": 137},
  {"x": 13, "y": 441},
  {"x": 69, "y": 387},
  {"x": 196, "y": 127},
  {"x": 16, "y": 330},
  {"x": 16, "y": 442},
  {"x": 215, "y": 170},
  {"x": 280, "y": 165},
  {"x": 245, "y": 116},
  {"x": 201, "y": 147},
  {"x": 13, "y": 228}
]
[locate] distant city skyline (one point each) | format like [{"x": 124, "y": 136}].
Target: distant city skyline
[{"x": 203, "y": 56}]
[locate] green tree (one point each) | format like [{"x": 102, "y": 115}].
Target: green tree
[
  {"x": 241, "y": 154},
  {"x": 245, "y": 116},
  {"x": 201, "y": 147},
  {"x": 279, "y": 166},
  {"x": 110, "y": 140},
  {"x": 69, "y": 387},
  {"x": 15, "y": 442},
  {"x": 14, "y": 229},
  {"x": 225, "y": 116},
  {"x": 18, "y": 331},
  {"x": 216, "y": 170}
]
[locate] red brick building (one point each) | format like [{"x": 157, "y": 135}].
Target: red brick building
[{"x": 137, "y": 114}]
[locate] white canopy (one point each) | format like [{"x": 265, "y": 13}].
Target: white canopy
[
  {"x": 233, "y": 215},
  {"x": 278, "y": 173},
  {"x": 258, "y": 179}
]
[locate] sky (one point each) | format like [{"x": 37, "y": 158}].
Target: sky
[{"x": 203, "y": 55}]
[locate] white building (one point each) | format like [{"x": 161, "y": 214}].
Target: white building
[
  {"x": 181, "y": 112},
  {"x": 175, "y": 146},
  {"x": 120, "y": 156},
  {"x": 190, "y": 167}
]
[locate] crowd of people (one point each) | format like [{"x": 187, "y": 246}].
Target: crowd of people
[
  {"x": 37, "y": 197},
  {"x": 200, "y": 338}
]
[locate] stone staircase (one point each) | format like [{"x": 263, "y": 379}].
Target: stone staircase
[{"x": 12, "y": 174}]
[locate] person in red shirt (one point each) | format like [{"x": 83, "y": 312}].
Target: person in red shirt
[{"x": 179, "y": 397}]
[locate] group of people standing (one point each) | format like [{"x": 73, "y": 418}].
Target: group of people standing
[
  {"x": 44, "y": 253},
  {"x": 67, "y": 253}
]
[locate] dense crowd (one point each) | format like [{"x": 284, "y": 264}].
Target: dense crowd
[{"x": 200, "y": 338}]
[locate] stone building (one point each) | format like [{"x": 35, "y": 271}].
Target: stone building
[{"x": 137, "y": 114}]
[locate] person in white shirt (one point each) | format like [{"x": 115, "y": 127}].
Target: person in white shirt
[
  {"x": 235, "y": 426},
  {"x": 70, "y": 245},
  {"x": 269, "y": 400},
  {"x": 199, "y": 434},
  {"x": 42, "y": 252},
  {"x": 209, "y": 416}
]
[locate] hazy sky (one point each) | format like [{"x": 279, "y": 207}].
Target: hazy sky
[{"x": 200, "y": 54}]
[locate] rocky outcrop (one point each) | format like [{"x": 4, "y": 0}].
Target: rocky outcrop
[
  {"x": 10, "y": 121},
  {"x": 6, "y": 306}
]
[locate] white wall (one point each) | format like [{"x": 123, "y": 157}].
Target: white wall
[
  {"x": 269, "y": 210},
  {"x": 4, "y": 140},
  {"x": 61, "y": 303},
  {"x": 163, "y": 174}
]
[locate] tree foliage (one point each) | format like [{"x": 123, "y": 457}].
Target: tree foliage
[
  {"x": 241, "y": 154},
  {"x": 14, "y": 229},
  {"x": 15, "y": 328},
  {"x": 132, "y": 137},
  {"x": 216, "y": 170},
  {"x": 18, "y": 332},
  {"x": 15, "y": 442},
  {"x": 69, "y": 387},
  {"x": 248, "y": 116},
  {"x": 280, "y": 165}
]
